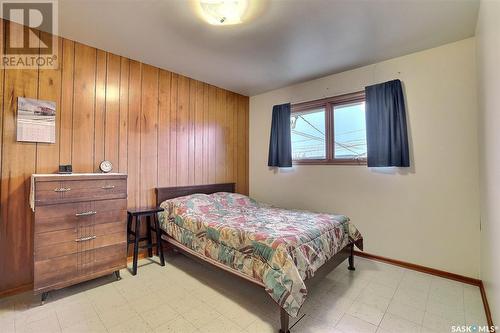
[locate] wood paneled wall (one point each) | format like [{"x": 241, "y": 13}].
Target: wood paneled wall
[{"x": 159, "y": 127}]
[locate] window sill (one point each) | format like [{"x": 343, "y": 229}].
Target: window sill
[{"x": 329, "y": 162}]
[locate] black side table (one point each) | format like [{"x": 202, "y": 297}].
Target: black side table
[{"x": 134, "y": 237}]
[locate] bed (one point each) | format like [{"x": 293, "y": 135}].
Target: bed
[{"x": 277, "y": 249}]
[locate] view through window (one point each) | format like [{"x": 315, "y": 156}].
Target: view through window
[
  {"x": 308, "y": 135},
  {"x": 350, "y": 130},
  {"x": 329, "y": 131}
]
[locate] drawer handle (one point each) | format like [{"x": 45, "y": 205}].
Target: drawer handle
[
  {"x": 108, "y": 187},
  {"x": 62, "y": 189},
  {"x": 90, "y": 212},
  {"x": 83, "y": 239}
]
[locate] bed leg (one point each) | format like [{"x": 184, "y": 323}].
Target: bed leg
[
  {"x": 285, "y": 321},
  {"x": 351, "y": 259}
]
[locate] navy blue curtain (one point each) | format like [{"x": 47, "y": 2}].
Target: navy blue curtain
[
  {"x": 280, "y": 144},
  {"x": 386, "y": 131}
]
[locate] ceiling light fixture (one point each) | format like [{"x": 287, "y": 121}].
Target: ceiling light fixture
[{"x": 223, "y": 12}]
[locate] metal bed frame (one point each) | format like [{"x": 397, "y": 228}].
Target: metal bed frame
[{"x": 165, "y": 193}]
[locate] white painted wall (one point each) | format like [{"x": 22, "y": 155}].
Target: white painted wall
[
  {"x": 428, "y": 214},
  {"x": 488, "y": 56}
]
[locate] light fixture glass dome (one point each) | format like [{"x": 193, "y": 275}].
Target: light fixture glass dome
[{"x": 223, "y": 12}]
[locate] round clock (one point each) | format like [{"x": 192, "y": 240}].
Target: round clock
[{"x": 106, "y": 166}]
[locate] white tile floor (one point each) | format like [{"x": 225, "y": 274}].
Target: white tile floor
[{"x": 188, "y": 296}]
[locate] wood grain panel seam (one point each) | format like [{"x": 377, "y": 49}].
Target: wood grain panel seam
[
  {"x": 190, "y": 138},
  {"x": 128, "y": 110},
  {"x": 247, "y": 146},
  {"x": 37, "y": 94},
  {"x": 119, "y": 114},
  {"x": 61, "y": 59},
  {"x": 128, "y": 113},
  {"x": 157, "y": 128},
  {"x": 176, "y": 110},
  {"x": 73, "y": 103},
  {"x": 157, "y": 123},
  {"x": 140, "y": 131},
  {"x": 105, "y": 116},
  {"x": 61, "y": 62},
  {"x": 95, "y": 110},
  {"x": 63, "y": 100},
  {"x": 190, "y": 132},
  {"x": 96, "y": 92},
  {"x": 97, "y": 107}
]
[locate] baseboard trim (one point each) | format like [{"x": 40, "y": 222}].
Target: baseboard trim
[
  {"x": 436, "y": 272},
  {"x": 142, "y": 254},
  {"x": 419, "y": 268},
  {"x": 486, "y": 305}
]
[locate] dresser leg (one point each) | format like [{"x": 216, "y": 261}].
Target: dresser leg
[
  {"x": 44, "y": 297},
  {"x": 117, "y": 274}
]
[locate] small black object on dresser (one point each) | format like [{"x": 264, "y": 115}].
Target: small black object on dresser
[
  {"x": 67, "y": 168},
  {"x": 134, "y": 237}
]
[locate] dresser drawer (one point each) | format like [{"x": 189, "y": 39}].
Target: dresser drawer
[
  {"x": 63, "y": 242},
  {"x": 104, "y": 258},
  {"x": 57, "y": 191},
  {"x": 72, "y": 247},
  {"x": 80, "y": 214},
  {"x": 75, "y": 265},
  {"x": 49, "y": 272}
]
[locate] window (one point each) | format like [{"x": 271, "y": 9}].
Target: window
[
  {"x": 308, "y": 135},
  {"x": 349, "y": 129},
  {"x": 329, "y": 131}
]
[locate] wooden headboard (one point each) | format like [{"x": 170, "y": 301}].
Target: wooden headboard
[{"x": 165, "y": 193}]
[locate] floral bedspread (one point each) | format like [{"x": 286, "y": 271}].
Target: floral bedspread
[{"x": 279, "y": 247}]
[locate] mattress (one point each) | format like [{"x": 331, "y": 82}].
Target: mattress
[{"x": 279, "y": 247}]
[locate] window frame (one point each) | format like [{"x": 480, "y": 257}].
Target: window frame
[{"x": 329, "y": 104}]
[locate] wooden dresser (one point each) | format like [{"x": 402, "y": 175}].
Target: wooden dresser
[{"x": 80, "y": 229}]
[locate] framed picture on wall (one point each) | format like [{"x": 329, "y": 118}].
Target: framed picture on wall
[{"x": 36, "y": 120}]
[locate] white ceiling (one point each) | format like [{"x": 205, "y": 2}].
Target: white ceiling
[{"x": 288, "y": 42}]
